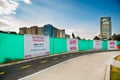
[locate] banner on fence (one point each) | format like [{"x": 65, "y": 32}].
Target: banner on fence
[
  {"x": 97, "y": 44},
  {"x": 112, "y": 45},
  {"x": 35, "y": 45},
  {"x": 72, "y": 45}
]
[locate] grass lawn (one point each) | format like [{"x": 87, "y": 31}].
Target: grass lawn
[
  {"x": 117, "y": 58},
  {"x": 115, "y": 73}
]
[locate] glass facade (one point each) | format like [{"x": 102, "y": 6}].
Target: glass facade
[
  {"x": 49, "y": 30},
  {"x": 105, "y": 27}
]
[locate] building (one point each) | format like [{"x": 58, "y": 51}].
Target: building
[
  {"x": 33, "y": 30},
  {"x": 62, "y": 33},
  {"x": 46, "y": 30},
  {"x": 67, "y": 36},
  {"x": 105, "y": 27},
  {"x": 28, "y": 31},
  {"x": 40, "y": 31},
  {"x": 23, "y": 30},
  {"x": 57, "y": 33},
  {"x": 49, "y": 30}
]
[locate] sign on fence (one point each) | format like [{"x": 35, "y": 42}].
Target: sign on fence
[
  {"x": 72, "y": 45},
  {"x": 112, "y": 45},
  {"x": 97, "y": 45},
  {"x": 35, "y": 45}
]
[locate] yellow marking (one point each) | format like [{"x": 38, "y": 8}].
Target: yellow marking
[
  {"x": 2, "y": 73},
  {"x": 43, "y": 61},
  {"x": 55, "y": 58},
  {"x": 27, "y": 66},
  {"x": 14, "y": 62}
]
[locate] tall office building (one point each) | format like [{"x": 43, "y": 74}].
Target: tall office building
[{"x": 105, "y": 27}]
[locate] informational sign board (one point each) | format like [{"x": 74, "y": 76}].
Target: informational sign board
[
  {"x": 72, "y": 45},
  {"x": 35, "y": 45},
  {"x": 112, "y": 45},
  {"x": 97, "y": 45}
]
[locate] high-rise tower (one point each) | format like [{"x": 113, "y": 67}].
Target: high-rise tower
[{"x": 105, "y": 27}]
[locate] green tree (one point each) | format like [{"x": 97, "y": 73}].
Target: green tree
[
  {"x": 78, "y": 38},
  {"x": 114, "y": 37},
  {"x": 96, "y": 38},
  {"x": 73, "y": 35}
]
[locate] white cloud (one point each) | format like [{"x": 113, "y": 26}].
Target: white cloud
[
  {"x": 2, "y": 24},
  {"x": 27, "y": 1},
  {"x": 15, "y": 23},
  {"x": 8, "y": 7},
  {"x": 8, "y": 22}
]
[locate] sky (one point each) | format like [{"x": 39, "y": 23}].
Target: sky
[{"x": 81, "y": 17}]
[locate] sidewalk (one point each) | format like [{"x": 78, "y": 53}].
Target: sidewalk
[
  {"x": 86, "y": 67},
  {"x": 116, "y": 63}
]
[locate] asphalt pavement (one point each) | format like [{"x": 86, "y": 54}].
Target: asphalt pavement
[
  {"x": 87, "y": 67},
  {"x": 17, "y": 71}
]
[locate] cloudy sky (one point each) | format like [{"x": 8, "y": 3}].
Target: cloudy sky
[{"x": 79, "y": 16}]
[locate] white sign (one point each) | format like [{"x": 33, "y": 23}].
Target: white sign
[
  {"x": 72, "y": 45},
  {"x": 112, "y": 45},
  {"x": 35, "y": 45},
  {"x": 97, "y": 44}
]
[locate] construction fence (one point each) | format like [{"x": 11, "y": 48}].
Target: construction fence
[{"x": 15, "y": 47}]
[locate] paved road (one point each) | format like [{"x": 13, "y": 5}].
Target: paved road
[
  {"x": 87, "y": 67},
  {"x": 16, "y": 71}
]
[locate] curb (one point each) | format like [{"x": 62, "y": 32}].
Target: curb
[
  {"x": 112, "y": 62},
  {"x": 107, "y": 75}
]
